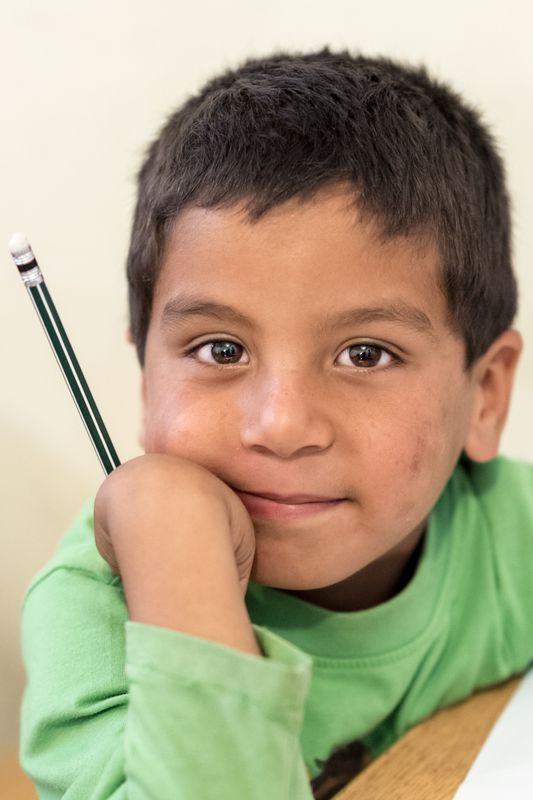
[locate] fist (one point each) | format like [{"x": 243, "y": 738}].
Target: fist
[{"x": 156, "y": 506}]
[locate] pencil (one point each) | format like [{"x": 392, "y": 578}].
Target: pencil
[{"x": 32, "y": 277}]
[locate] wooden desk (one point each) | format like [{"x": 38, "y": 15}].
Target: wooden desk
[
  {"x": 431, "y": 761},
  {"x": 428, "y": 763},
  {"x": 13, "y": 782}
]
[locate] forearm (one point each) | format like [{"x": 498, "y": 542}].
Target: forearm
[
  {"x": 186, "y": 579},
  {"x": 157, "y": 714}
]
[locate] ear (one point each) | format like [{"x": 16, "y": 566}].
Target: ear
[{"x": 493, "y": 377}]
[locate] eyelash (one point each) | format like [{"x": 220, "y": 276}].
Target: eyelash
[{"x": 396, "y": 360}]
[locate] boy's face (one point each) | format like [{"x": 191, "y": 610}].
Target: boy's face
[{"x": 370, "y": 410}]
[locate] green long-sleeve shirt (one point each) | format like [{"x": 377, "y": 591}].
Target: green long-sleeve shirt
[{"x": 120, "y": 709}]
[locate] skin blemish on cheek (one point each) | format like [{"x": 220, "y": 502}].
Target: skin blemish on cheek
[{"x": 416, "y": 460}]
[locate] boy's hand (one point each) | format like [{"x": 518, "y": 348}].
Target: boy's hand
[{"x": 183, "y": 543}]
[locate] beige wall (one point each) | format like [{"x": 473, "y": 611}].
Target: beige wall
[{"x": 84, "y": 86}]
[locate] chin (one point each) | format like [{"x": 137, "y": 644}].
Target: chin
[{"x": 277, "y": 576}]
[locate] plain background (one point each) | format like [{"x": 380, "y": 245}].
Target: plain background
[{"x": 84, "y": 88}]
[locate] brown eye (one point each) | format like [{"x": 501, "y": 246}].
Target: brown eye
[
  {"x": 367, "y": 356},
  {"x": 225, "y": 352},
  {"x": 218, "y": 352}
]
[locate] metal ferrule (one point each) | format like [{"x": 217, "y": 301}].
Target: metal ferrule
[
  {"x": 24, "y": 258},
  {"x": 32, "y": 277}
]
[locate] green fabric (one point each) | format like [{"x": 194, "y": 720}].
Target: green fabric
[{"x": 119, "y": 709}]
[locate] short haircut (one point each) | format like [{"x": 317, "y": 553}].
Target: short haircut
[{"x": 419, "y": 159}]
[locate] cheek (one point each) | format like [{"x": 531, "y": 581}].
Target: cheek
[
  {"x": 185, "y": 423},
  {"x": 410, "y": 469},
  {"x": 432, "y": 433}
]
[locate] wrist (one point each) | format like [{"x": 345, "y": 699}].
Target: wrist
[{"x": 187, "y": 580}]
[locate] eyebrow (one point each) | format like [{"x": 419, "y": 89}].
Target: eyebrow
[
  {"x": 186, "y": 306},
  {"x": 398, "y": 311}
]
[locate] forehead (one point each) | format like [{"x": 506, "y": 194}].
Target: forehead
[{"x": 312, "y": 258}]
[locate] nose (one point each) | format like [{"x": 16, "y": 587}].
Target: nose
[{"x": 285, "y": 415}]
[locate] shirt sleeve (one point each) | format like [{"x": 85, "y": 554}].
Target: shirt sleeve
[{"x": 120, "y": 709}]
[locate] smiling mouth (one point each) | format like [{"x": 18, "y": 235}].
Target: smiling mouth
[{"x": 262, "y": 507}]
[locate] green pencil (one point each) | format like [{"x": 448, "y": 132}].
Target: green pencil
[{"x": 53, "y": 327}]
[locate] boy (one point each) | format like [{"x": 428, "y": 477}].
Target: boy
[{"x": 320, "y": 546}]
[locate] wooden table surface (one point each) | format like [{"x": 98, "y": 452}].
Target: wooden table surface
[
  {"x": 431, "y": 761},
  {"x": 13, "y": 782},
  {"x": 428, "y": 763}
]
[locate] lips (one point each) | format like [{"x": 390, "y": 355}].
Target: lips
[
  {"x": 292, "y": 499},
  {"x": 289, "y": 507}
]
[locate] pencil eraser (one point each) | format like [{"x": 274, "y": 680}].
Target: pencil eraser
[{"x": 19, "y": 245}]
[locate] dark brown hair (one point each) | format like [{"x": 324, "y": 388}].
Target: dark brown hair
[{"x": 418, "y": 157}]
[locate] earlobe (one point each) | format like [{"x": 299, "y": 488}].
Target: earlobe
[{"x": 494, "y": 376}]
